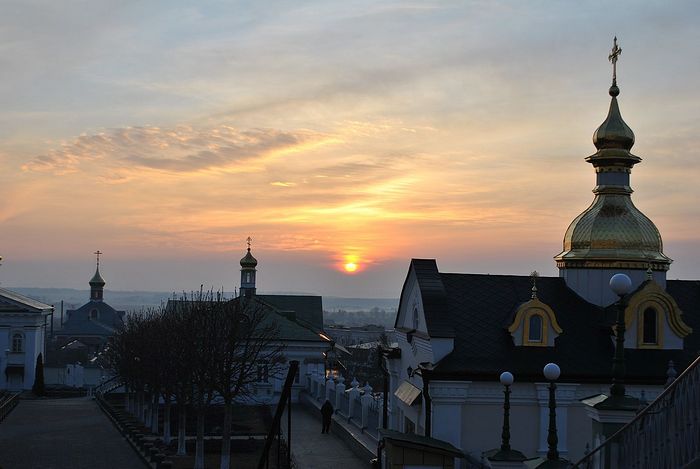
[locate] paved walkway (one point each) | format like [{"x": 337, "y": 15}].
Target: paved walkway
[
  {"x": 63, "y": 434},
  {"x": 313, "y": 450}
]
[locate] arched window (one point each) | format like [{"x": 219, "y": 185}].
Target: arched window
[
  {"x": 17, "y": 342},
  {"x": 534, "y": 333},
  {"x": 93, "y": 314},
  {"x": 416, "y": 318},
  {"x": 650, "y": 332},
  {"x": 247, "y": 277}
]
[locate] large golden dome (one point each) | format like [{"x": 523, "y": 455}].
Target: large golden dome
[{"x": 613, "y": 233}]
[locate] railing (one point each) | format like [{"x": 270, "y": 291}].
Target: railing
[
  {"x": 107, "y": 386},
  {"x": 665, "y": 434},
  {"x": 275, "y": 432},
  {"x": 7, "y": 403},
  {"x": 355, "y": 404}
]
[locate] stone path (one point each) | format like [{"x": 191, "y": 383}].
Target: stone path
[
  {"x": 63, "y": 434},
  {"x": 313, "y": 450}
]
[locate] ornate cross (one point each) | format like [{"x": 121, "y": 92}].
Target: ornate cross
[
  {"x": 248, "y": 241},
  {"x": 97, "y": 253},
  {"x": 614, "y": 54},
  {"x": 533, "y": 275}
]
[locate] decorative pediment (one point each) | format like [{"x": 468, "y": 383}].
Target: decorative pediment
[
  {"x": 535, "y": 325},
  {"x": 654, "y": 319}
]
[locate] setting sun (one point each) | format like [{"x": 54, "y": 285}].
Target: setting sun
[{"x": 350, "y": 267}]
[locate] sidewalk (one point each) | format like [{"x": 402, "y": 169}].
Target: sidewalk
[
  {"x": 68, "y": 433},
  {"x": 313, "y": 450}
]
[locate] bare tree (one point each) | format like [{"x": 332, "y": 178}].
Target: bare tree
[{"x": 247, "y": 337}]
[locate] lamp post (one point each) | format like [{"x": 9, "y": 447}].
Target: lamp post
[
  {"x": 621, "y": 285},
  {"x": 506, "y": 380},
  {"x": 551, "y": 373}
]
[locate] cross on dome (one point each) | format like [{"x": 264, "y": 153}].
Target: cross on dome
[{"x": 613, "y": 57}]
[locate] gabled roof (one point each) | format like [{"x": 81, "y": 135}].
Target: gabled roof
[
  {"x": 289, "y": 330},
  {"x": 79, "y": 322},
  {"x": 433, "y": 297},
  {"x": 307, "y": 308},
  {"x": 14, "y": 302},
  {"x": 480, "y": 308}
]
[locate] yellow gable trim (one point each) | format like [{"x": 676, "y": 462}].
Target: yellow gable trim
[
  {"x": 535, "y": 304},
  {"x": 653, "y": 296}
]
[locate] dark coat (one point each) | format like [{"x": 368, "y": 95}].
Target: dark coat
[{"x": 327, "y": 410}]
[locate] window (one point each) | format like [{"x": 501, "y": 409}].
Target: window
[
  {"x": 247, "y": 277},
  {"x": 416, "y": 318},
  {"x": 93, "y": 314},
  {"x": 535, "y": 329},
  {"x": 649, "y": 327},
  {"x": 17, "y": 342}
]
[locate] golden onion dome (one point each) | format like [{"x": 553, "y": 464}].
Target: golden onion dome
[
  {"x": 249, "y": 261},
  {"x": 613, "y": 132},
  {"x": 613, "y": 233},
  {"x": 97, "y": 280}
]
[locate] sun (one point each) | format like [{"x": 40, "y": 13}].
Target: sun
[{"x": 350, "y": 267}]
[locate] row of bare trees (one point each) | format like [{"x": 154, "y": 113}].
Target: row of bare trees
[{"x": 192, "y": 352}]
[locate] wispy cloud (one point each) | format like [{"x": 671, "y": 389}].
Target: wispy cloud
[{"x": 179, "y": 149}]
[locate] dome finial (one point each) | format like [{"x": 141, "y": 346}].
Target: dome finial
[
  {"x": 533, "y": 275},
  {"x": 248, "y": 240},
  {"x": 613, "y": 57}
]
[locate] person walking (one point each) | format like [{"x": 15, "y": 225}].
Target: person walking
[{"x": 326, "y": 414}]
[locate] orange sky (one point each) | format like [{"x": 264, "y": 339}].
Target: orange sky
[{"x": 378, "y": 130}]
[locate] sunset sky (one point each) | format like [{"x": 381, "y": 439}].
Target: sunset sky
[{"x": 332, "y": 133}]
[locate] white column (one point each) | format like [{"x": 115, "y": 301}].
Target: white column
[
  {"x": 448, "y": 401},
  {"x": 330, "y": 391},
  {"x": 366, "y": 400},
  {"x": 565, "y": 396},
  {"x": 352, "y": 395},
  {"x": 339, "y": 393}
]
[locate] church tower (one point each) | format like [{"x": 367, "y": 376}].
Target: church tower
[
  {"x": 248, "y": 264},
  {"x": 612, "y": 235},
  {"x": 97, "y": 283}
]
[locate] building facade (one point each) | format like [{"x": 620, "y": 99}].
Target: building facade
[{"x": 22, "y": 338}]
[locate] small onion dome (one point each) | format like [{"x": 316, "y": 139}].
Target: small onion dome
[
  {"x": 614, "y": 132},
  {"x": 249, "y": 261},
  {"x": 97, "y": 280}
]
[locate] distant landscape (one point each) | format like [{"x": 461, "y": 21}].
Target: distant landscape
[{"x": 337, "y": 310}]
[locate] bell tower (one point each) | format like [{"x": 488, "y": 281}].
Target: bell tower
[{"x": 248, "y": 264}]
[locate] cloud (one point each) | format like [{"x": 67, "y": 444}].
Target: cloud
[{"x": 180, "y": 149}]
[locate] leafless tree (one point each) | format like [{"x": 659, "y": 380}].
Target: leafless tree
[{"x": 247, "y": 337}]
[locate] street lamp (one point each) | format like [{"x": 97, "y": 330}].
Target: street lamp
[
  {"x": 621, "y": 285},
  {"x": 551, "y": 373},
  {"x": 506, "y": 380}
]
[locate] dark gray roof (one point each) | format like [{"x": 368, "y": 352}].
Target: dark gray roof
[
  {"x": 79, "y": 322},
  {"x": 307, "y": 309},
  {"x": 480, "y": 308},
  {"x": 433, "y": 297},
  {"x": 289, "y": 327}
]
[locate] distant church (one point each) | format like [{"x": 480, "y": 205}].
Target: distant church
[
  {"x": 458, "y": 332},
  {"x": 90, "y": 326}
]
